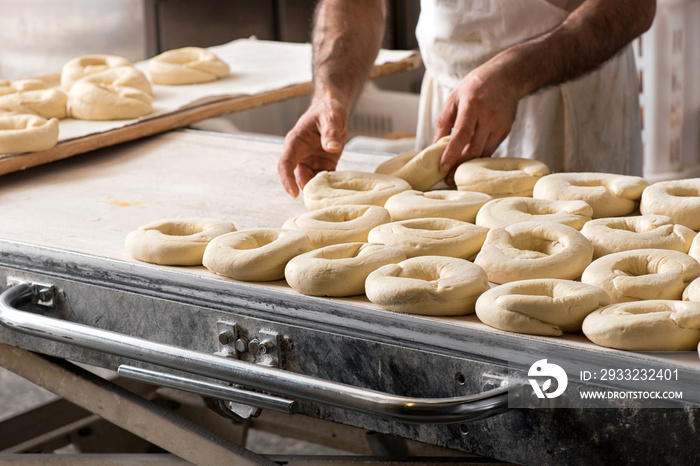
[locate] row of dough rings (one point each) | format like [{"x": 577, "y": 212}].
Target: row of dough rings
[
  {"x": 338, "y": 224},
  {"x": 457, "y": 205},
  {"x": 617, "y": 234},
  {"x": 26, "y": 133},
  {"x": 255, "y": 255},
  {"x": 421, "y": 169},
  {"x": 642, "y": 274},
  {"x": 340, "y": 269},
  {"x": 500, "y": 213},
  {"x": 500, "y": 176},
  {"x": 609, "y": 195},
  {"x": 534, "y": 250},
  {"x": 46, "y": 103},
  {"x": 351, "y": 188},
  {"x": 187, "y": 65},
  {"x": 679, "y": 199},
  {"x": 21, "y": 85},
  {"x": 540, "y": 306},
  {"x": 427, "y": 285},
  {"x": 79, "y": 67},
  {"x": 175, "y": 241},
  {"x": 654, "y": 325}
]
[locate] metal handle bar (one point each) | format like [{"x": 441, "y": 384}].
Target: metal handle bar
[{"x": 269, "y": 379}]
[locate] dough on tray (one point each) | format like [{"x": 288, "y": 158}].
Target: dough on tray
[
  {"x": 26, "y": 133},
  {"x": 21, "y": 85},
  {"x": 187, "y": 65},
  {"x": 351, "y": 188},
  {"x": 679, "y": 199},
  {"x": 420, "y": 169},
  {"x": 499, "y": 213},
  {"x": 500, "y": 176},
  {"x": 692, "y": 291},
  {"x": 448, "y": 203},
  {"x": 85, "y": 65},
  {"x": 47, "y": 103}
]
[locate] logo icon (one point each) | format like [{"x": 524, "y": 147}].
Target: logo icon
[{"x": 542, "y": 368}]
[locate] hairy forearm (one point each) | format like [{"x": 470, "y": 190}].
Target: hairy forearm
[{"x": 347, "y": 36}]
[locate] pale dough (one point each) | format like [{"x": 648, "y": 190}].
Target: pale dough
[
  {"x": 616, "y": 234},
  {"x": 21, "y": 85},
  {"x": 692, "y": 291},
  {"x": 175, "y": 241},
  {"x": 609, "y": 195},
  {"x": 679, "y": 199},
  {"x": 340, "y": 269},
  {"x": 351, "y": 188},
  {"x": 258, "y": 255},
  {"x": 500, "y": 176},
  {"x": 457, "y": 205},
  {"x": 642, "y": 274},
  {"x": 540, "y": 307},
  {"x": 85, "y": 65},
  {"x": 187, "y": 65},
  {"x": 421, "y": 169},
  {"x": 694, "y": 250},
  {"x": 26, "y": 133},
  {"x": 431, "y": 237},
  {"x": 658, "y": 325},
  {"x": 530, "y": 250},
  {"x": 499, "y": 213},
  {"x": 47, "y": 103},
  {"x": 427, "y": 285}
]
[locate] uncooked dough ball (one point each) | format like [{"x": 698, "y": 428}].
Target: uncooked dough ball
[
  {"x": 657, "y": 325},
  {"x": 47, "y": 103},
  {"x": 351, "y": 188},
  {"x": 427, "y": 285},
  {"x": 21, "y": 85},
  {"x": 175, "y": 241},
  {"x": 642, "y": 274},
  {"x": 431, "y": 237},
  {"x": 422, "y": 169},
  {"x": 338, "y": 224},
  {"x": 609, "y": 195},
  {"x": 534, "y": 250},
  {"x": 500, "y": 176},
  {"x": 539, "y": 307},
  {"x": 679, "y": 199},
  {"x": 258, "y": 255},
  {"x": 457, "y": 205},
  {"x": 187, "y": 65},
  {"x": 26, "y": 133},
  {"x": 610, "y": 235},
  {"x": 85, "y": 65},
  {"x": 499, "y": 213},
  {"x": 692, "y": 291},
  {"x": 339, "y": 269}
]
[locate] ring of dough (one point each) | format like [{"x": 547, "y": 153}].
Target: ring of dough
[
  {"x": 694, "y": 250},
  {"x": 119, "y": 93},
  {"x": 427, "y": 285},
  {"x": 609, "y": 195},
  {"x": 530, "y": 250},
  {"x": 187, "y": 65},
  {"x": 85, "y": 65},
  {"x": 431, "y": 237},
  {"x": 26, "y": 133},
  {"x": 657, "y": 325},
  {"x": 642, "y": 274},
  {"x": 21, "y": 85},
  {"x": 692, "y": 291},
  {"x": 457, "y": 205},
  {"x": 540, "y": 307},
  {"x": 340, "y": 269},
  {"x": 500, "y": 176},
  {"x": 500, "y": 213},
  {"x": 175, "y": 241},
  {"x": 338, "y": 224},
  {"x": 679, "y": 199},
  {"x": 616, "y": 234},
  {"x": 255, "y": 255},
  {"x": 351, "y": 188},
  {"x": 420, "y": 169},
  {"x": 47, "y": 103}
]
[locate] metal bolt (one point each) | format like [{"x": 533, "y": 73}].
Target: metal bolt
[
  {"x": 254, "y": 345},
  {"x": 242, "y": 345},
  {"x": 265, "y": 347},
  {"x": 225, "y": 338}
]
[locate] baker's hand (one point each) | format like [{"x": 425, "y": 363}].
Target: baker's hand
[
  {"x": 313, "y": 145},
  {"x": 478, "y": 114}
]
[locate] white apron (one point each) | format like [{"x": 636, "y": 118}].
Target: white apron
[{"x": 588, "y": 124}]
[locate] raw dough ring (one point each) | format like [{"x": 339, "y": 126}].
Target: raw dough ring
[
  {"x": 431, "y": 237},
  {"x": 351, "y": 188},
  {"x": 609, "y": 195},
  {"x": 255, "y": 255},
  {"x": 679, "y": 199},
  {"x": 692, "y": 291},
  {"x": 47, "y": 103},
  {"x": 457, "y": 205},
  {"x": 500, "y": 176},
  {"x": 499, "y": 213},
  {"x": 420, "y": 169},
  {"x": 658, "y": 325},
  {"x": 176, "y": 241},
  {"x": 338, "y": 224},
  {"x": 21, "y": 85},
  {"x": 427, "y": 285},
  {"x": 119, "y": 93},
  {"x": 340, "y": 269},
  {"x": 26, "y": 133},
  {"x": 530, "y": 250},
  {"x": 616, "y": 234},
  {"x": 694, "y": 250},
  {"x": 85, "y": 65},
  {"x": 187, "y": 65},
  {"x": 642, "y": 274},
  {"x": 540, "y": 307}
]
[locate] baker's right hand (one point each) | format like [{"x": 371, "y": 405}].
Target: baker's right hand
[{"x": 313, "y": 145}]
